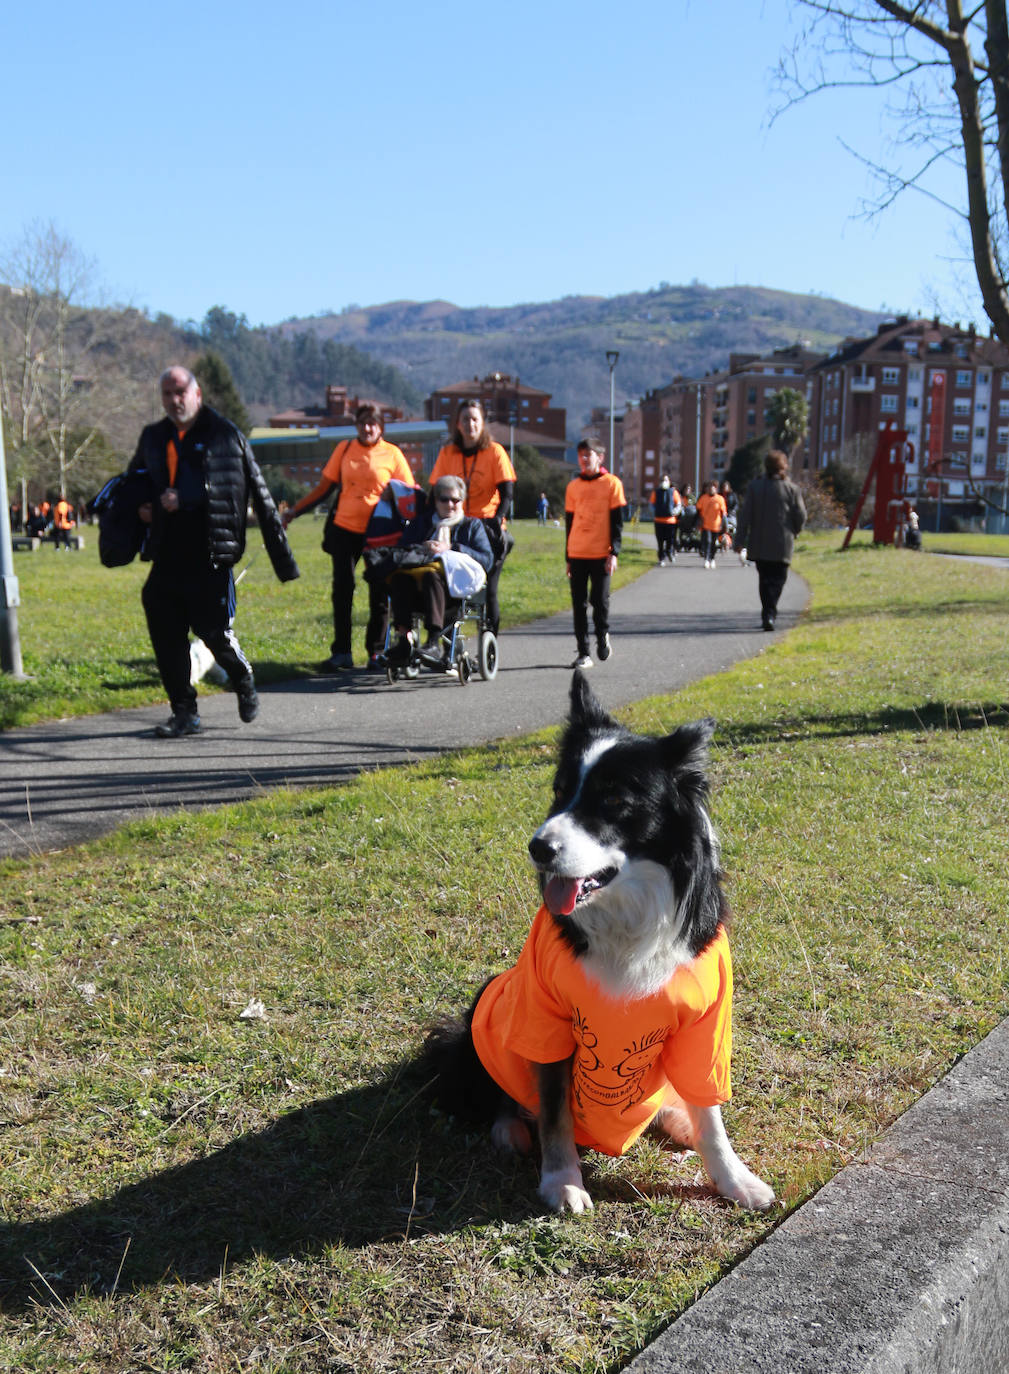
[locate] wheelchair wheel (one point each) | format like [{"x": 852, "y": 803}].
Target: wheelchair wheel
[
  {"x": 486, "y": 660},
  {"x": 464, "y": 666}
]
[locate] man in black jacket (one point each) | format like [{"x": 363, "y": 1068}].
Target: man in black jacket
[{"x": 203, "y": 475}]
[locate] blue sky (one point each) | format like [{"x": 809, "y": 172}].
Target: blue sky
[{"x": 285, "y": 159}]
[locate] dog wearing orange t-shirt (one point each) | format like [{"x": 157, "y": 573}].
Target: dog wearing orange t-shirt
[{"x": 617, "y": 1014}]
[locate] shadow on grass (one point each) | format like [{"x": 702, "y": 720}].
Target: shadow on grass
[
  {"x": 930, "y": 716},
  {"x": 368, "y": 1165}
]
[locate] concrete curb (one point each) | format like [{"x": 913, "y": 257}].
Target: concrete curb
[{"x": 900, "y": 1263}]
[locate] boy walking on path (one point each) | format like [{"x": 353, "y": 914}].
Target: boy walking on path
[{"x": 593, "y": 516}]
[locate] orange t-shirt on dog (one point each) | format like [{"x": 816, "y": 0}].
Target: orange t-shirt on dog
[{"x": 626, "y": 1054}]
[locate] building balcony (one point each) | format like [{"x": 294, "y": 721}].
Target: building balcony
[{"x": 863, "y": 384}]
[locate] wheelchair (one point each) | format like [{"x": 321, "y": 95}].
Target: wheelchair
[{"x": 452, "y": 657}]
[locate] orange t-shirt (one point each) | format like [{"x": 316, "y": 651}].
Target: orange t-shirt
[
  {"x": 626, "y": 1054},
  {"x": 363, "y": 474},
  {"x": 481, "y": 472},
  {"x": 64, "y": 517},
  {"x": 712, "y": 510},
  {"x": 590, "y": 500}
]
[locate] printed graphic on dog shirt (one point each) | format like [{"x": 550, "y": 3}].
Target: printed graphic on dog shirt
[{"x": 615, "y": 1085}]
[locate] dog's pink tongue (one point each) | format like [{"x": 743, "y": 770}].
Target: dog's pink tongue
[{"x": 561, "y": 894}]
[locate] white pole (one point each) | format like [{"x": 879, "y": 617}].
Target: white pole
[{"x": 10, "y": 644}]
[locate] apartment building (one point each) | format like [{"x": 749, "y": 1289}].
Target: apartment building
[
  {"x": 947, "y": 386},
  {"x": 639, "y": 457},
  {"x": 702, "y": 421}
]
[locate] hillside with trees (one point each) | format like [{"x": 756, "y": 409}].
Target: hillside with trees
[{"x": 560, "y": 346}]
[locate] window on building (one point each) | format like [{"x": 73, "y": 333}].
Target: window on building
[
  {"x": 891, "y": 376},
  {"x": 888, "y": 403},
  {"x": 1003, "y": 407},
  {"x": 963, "y": 378},
  {"x": 1000, "y": 461},
  {"x": 961, "y": 405},
  {"x": 912, "y": 428},
  {"x": 980, "y": 432},
  {"x": 913, "y": 402},
  {"x": 1003, "y": 381},
  {"x": 978, "y": 459},
  {"x": 960, "y": 434},
  {"x": 910, "y": 346},
  {"x": 914, "y": 374},
  {"x": 981, "y": 379},
  {"x": 1002, "y": 436}
]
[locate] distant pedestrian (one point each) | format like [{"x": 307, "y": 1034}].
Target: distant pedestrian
[
  {"x": 593, "y": 510},
  {"x": 63, "y": 523},
  {"x": 362, "y": 468},
  {"x": 772, "y": 514},
  {"x": 666, "y": 509},
  {"x": 711, "y": 513},
  {"x": 542, "y": 509},
  {"x": 203, "y": 476}
]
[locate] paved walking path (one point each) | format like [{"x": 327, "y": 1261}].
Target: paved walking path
[{"x": 71, "y": 780}]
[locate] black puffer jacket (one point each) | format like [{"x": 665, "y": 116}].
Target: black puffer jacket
[{"x": 232, "y": 476}]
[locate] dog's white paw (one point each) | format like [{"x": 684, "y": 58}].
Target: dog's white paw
[
  {"x": 564, "y": 1192},
  {"x": 747, "y": 1190}
]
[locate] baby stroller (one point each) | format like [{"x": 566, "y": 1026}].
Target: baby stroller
[
  {"x": 727, "y": 535},
  {"x": 688, "y": 537},
  {"x": 451, "y": 656}
]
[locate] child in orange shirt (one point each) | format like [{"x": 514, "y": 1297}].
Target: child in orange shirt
[{"x": 593, "y": 513}]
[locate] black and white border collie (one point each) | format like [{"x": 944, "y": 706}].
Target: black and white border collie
[{"x": 629, "y": 870}]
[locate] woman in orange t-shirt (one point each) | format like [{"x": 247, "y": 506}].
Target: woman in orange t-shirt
[
  {"x": 490, "y": 483},
  {"x": 711, "y": 513},
  {"x": 362, "y": 468}
]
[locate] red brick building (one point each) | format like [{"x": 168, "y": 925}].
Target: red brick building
[
  {"x": 639, "y": 465},
  {"x": 339, "y": 410},
  {"x": 515, "y": 413}
]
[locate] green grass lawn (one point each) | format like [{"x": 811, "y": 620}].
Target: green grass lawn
[
  {"x": 84, "y": 639},
  {"x": 185, "y": 1188}
]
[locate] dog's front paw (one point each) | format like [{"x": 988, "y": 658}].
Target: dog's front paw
[
  {"x": 747, "y": 1190},
  {"x": 564, "y": 1192}
]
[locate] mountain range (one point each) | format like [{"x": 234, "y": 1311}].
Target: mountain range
[{"x": 560, "y": 346}]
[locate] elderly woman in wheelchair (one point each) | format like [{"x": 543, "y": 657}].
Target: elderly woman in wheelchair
[{"x": 452, "y": 550}]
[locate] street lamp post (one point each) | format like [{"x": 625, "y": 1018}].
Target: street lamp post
[{"x": 611, "y": 358}]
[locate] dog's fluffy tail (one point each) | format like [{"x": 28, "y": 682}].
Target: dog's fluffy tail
[{"x": 456, "y": 1079}]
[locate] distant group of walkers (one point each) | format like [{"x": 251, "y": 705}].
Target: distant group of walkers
[
  {"x": 53, "y": 520},
  {"x": 762, "y": 528}
]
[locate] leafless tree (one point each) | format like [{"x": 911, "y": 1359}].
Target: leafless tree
[
  {"x": 62, "y": 382},
  {"x": 945, "y": 69}
]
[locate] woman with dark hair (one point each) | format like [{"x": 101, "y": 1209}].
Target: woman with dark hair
[
  {"x": 362, "y": 468},
  {"x": 490, "y": 482},
  {"x": 773, "y": 512}
]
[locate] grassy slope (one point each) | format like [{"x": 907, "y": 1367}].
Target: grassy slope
[{"x": 314, "y": 1216}]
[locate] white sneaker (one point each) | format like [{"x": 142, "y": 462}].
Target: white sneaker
[{"x": 582, "y": 661}]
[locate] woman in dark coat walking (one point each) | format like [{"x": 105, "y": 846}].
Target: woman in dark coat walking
[{"x": 773, "y": 513}]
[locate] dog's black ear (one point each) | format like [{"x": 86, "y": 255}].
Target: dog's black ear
[
  {"x": 586, "y": 709},
  {"x": 686, "y": 749}
]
